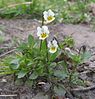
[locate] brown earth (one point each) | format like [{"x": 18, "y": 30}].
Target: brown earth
[{"x": 21, "y": 28}]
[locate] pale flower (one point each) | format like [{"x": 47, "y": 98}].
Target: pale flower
[
  {"x": 48, "y": 16},
  {"x": 43, "y": 32},
  {"x": 53, "y": 46}
]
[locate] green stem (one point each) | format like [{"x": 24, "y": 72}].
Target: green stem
[
  {"x": 41, "y": 26},
  {"x": 46, "y": 50},
  {"x": 40, "y": 45}
]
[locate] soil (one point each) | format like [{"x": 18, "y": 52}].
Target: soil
[{"x": 19, "y": 29}]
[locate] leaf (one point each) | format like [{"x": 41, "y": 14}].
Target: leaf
[
  {"x": 40, "y": 69},
  {"x": 59, "y": 91},
  {"x": 6, "y": 72},
  {"x": 30, "y": 40},
  {"x": 33, "y": 76},
  {"x": 14, "y": 64},
  {"x": 85, "y": 56},
  {"x": 52, "y": 65},
  {"x": 18, "y": 82},
  {"x": 22, "y": 47},
  {"x": 22, "y": 73},
  {"x": 43, "y": 47},
  {"x": 60, "y": 74},
  {"x": 76, "y": 58},
  {"x": 64, "y": 65},
  {"x": 29, "y": 83},
  {"x": 53, "y": 56}
]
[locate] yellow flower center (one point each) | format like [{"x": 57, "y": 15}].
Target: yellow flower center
[
  {"x": 50, "y": 18},
  {"x": 43, "y": 35},
  {"x": 53, "y": 48}
]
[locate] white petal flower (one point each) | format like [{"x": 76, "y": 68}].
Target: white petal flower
[
  {"x": 48, "y": 16},
  {"x": 43, "y": 32},
  {"x": 50, "y": 12},
  {"x": 52, "y": 46},
  {"x": 54, "y": 42},
  {"x": 49, "y": 44}
]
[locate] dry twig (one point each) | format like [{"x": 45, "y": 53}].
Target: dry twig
[
  {"x": 9, "y": 52},
  {"x": 84, "y": 89}
]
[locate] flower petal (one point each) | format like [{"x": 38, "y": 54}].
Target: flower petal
[
  {"x": 49, "y": 44},
  {"x": 54, "y": 42},
  {"x": 50, "y": 12},
  {"x": 45, "y": 13},
  {"x": 45, "y": 29},
  {"x": 52, "y": 51},
  {"x": 39, "y": 31}
]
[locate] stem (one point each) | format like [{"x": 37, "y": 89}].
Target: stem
[
  {"x": 40, "y": 45},
  {"x": 42, "y": 20},
  {"x": 46, "y": 50},
  {"x": 68, "y": 4},
  {"x": 41, "y": 26},
  {"x": 47, "y": 70}
]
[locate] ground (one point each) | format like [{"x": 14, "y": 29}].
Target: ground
[{"x": 19, "y": 29}]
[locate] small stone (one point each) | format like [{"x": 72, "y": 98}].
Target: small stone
[{"x": 3, "y": 80}]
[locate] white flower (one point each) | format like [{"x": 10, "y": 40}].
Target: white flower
[
  {"x": 48, "y": 16},
  {"x": 43, "y": 32},
  {"x": 52, "y": 46}
]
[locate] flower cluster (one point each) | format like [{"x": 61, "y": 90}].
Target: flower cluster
[{"x": 43, "y": 32}]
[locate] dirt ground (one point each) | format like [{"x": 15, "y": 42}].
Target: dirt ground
[{"x": 21, "y": 28}]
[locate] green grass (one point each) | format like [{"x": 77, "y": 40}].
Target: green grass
[
  {"x": 4, "y": 3},
  {"x": 67, "y": 12}
]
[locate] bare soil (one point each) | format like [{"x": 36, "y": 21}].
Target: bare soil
[{"x": 19, "y": 29}]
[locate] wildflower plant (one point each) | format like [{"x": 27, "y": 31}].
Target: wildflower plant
[{"x": 41, "y": 61}]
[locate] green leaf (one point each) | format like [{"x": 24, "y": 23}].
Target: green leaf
[
  {"x": 85, "y": 56},
  {"x": 22, "y": 73},
  {"x": 52, "y": 65},
  {"x": 29, "y": 83},
  {"x": 64, "y": 65},
  {"x": 60, "y": 74},
  {"x": 18, "y": 82},
  {"x": 30, "y": 40},
  {"x": 6, "y": 72},
  {"x": 76, "y": 58},
  {"x": 69, "y": 41},
  {"x": 43, "y": 47},
  {"x": 22, "y": 47},
  {"x": 40, "y": 70},
  {"x": 53, "y": 56},
  {"x": 14, "y": 64},
  {"x": 33, "y": 76},
  {"x": 59, "y": 91}
]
